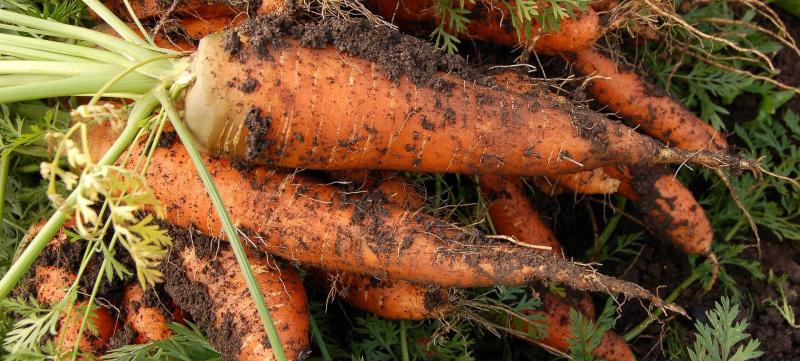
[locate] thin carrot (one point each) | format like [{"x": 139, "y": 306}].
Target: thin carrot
[
  {"x": 492, "y": 22},
  {"x": 210, "y": 287},
  {"x": 644, "y": 105},
  {"x": 150, "y": 322},
  {"x": 298, "y": 219},
  {"x": 595, "y": 181},
  {"x": 274, "y": 107}
]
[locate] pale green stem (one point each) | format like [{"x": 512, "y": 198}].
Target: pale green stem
[
  {"x": 5, "y": 163},
  {"x": 23, "y": 29},
  {"x": 137, "y": 22},
  {"x": 36, "y": 67},
  {"x": 22, "y": 52},
  {"x": 112, "y": 20},
  {"x": 315, "y": 332},
  {"x": 403, "y": 341},
  {"x": 633, "y": 333},
  {"x": 140, "y": 111},
  {"x": 87, "y": 84},
  {"x": 230, "y": 230},
  {"x": 76, "y": 32},
  {"x": 124, "y": 73},
  {"x": 84, "y": 52},
  {"x": 10, "y": 80}
]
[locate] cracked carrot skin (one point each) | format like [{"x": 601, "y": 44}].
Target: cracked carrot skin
[
  {"x": 233, "y": 310},
  {"x": 284, "y": 110},
  {"x": 149, "y": 322},
  {"x": 296, "y": 218},
  {"x": 645, "y": 106},
  {"x": 492, "y": 23}
]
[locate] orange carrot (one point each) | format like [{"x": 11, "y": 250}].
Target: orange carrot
[
  {"x": 645, "y": 106},
  {"x": 513, "y": 214},
  {"x": 149, "y": 322},
  {"x": 595, "y": 181},
  {"x": 273, "y": 107},
  {"x": 51, "y": 283},
  {"x": 387, "y": 298},
  {"x": 209, "y": 285},
  {"x": 492, "y": 22},
  {"x": 612, "y": 347},
  {"x": 324, "y": 227}
]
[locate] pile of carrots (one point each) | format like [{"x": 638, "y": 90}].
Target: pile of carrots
[{"x": 323, "y": 102}]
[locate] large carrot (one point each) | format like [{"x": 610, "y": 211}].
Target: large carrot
[
  {"x": 51, "y": 284},
  {"x": 276, "y": 107},
  {"x": 208, "y": 284},
  {"x": 295, "y": 218},
  {"x": 492, "y": 22},
  {"x": 149, "y": 322},
  {"x": 513, "y": 215}
]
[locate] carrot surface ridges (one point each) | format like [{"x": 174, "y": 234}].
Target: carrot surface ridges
[
  {"x": 206, "y": 281},
  {"x": 298, "y": 219},
  {"x": 492, "y": 22},
  {"x": 278, "y": 107}
]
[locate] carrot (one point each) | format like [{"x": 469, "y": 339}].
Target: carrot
[
  {"x": 492, "y": 22},
  {"x": 645, "y": 106},
  {"x": 208, "y": 284},
  {"x": 595, "y": 181},
  {"x": 273, "y": 107},
  {"x": 149, "y": 322},
  {"x": 513, "y": 215},
  {"x": 51, "y": 283},
  {"x": 203, "y": 9},
  {"x": 556, "y": 309},
  {"x": 670, "y": 210},
  {"x": 387, "y": 298},
  {"x": 324, "y": 227}
]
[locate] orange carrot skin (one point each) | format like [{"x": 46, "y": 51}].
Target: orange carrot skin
[
  {"x": 301, "y": 220},
  {"x": 51, "y": 283},
  {"x": 493, "y": 24},
  {"x": 595, "y": 181},
  {"x": 670, "y": 209},
  {"x": 513, "y": 214},
  {"x": 231, "y": 305},
  {"x": 388, "y": 298},
  {"x": 556, "y": 312},
  {"x": 150, "y": 323},
  {"x": 383, "y": 124},
  {"x": 645, "y": 106}
]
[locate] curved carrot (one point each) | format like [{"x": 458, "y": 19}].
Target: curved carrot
[
  {"x": 273, "y": 107},
  {"x": 51, "y": 283},
  {"x": 149, "y": 322},
  {"x": 226, "y": 310},
  {"x": 670, "y": 209},
  {"x": 645, "y": 106},
  {"x": 298, "y": 219},
  {"x": 493, "y": 23}
]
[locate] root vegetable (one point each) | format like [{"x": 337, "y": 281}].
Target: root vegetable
[
  {"x": 492, "y": 22},
  {"x": 293, "y": 217},
  {"x": 51, "y": 283},
  {"x": 275, "y": 106},
  {"x": 595, "y": 181},
  {"x": 149, "y": 322},
  {"x": 210, "y": 287},
  {"x": 644, "y": 105}
]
